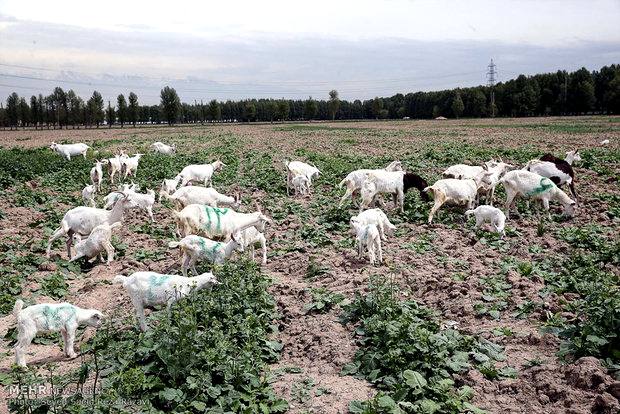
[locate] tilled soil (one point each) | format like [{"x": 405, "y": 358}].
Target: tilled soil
[{"x": 446, "y": 276}]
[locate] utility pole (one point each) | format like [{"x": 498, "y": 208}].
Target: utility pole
[{"x": 491, "y": 72}]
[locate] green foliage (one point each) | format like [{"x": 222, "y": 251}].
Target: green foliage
[
  {"x": 55, "y": 286},
  {"x": 322, "y": 300},
  {"x": 404, "y": 352}
]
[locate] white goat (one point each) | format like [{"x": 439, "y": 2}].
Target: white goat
[
  {"x": 301, "y": 184},
  {"x": 199, "y": 173},
  {"x": 604, "y": 142},
  {"x": 367, "y": 237},
  {"x": 378, "y": 218},
  {"x": 462, "y": 171},
  {"x": 98, "y": 241},
  {"x": 529, "y": 184},
  {"x": 82, "y": 221},
  {"x": 194, "y": 248},
  {"x": 96, "y": 174},
  {"x": 163, "y": 148},
  {"x": 454, "y": 191},
  {"x": 51, "y": 317},
  {"x": 130, "y": 165},
  {"x": 490, "y": 180},
  {"x": 168, "y": 187},
  {"x": 250, "y": 237},
  {"x": 114, "y": 196},
  {"x": 115, "y": 164},
  {"x": 68, "y": 150},
  {"x": 149, "y": 289},
  {"x": 185, "y": 196},
  {"x": 144, "y": 202},
  {"x": 560, "y": 173},
  {"x": 355, "y": 179},
  {"x": 216, "y": 222},
  {"x": 572, "y": 156},
  {"x": 296, "y": 168},
  {"x": 490, "y": 214},
  {"x": 88, "y": 195},
  {"x": 396, "y": 183}
]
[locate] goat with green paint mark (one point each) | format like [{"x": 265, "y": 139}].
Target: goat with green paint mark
[
  {"x": 150, "y": 289},
  {"x": 51, "y": 317},
  {"x": 528, "y": 184},
  {"x": 194, "y": 248},
  {"x": 214, "y": 222}
]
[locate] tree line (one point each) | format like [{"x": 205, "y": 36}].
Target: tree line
[{"x": 559, "y": 93}]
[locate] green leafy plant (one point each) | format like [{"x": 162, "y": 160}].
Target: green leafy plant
[{"x": 323, "y": 300}]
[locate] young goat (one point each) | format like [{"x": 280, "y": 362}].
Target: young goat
[
  {"x": 489, "y": 181},
  {"x": 82, "y": 220},
  {"x": 250, "y": 237},
  {"x": 68, "y": 150},
  {"x": 355, "y": 179},
  {"x": 558, "y": 171},
  {"x": 88, "y": 195},
  {"x": 489, "y": 214},
  {"x": 367, "y": 237},
  {"x": 454, "y": 191},
  {"x": 130, "y": 165},
  {"x": 294, "y": 168},
  {"x": 144, "y": 202},
  {"x": 529, "y": 184},
  {"x": 209, "y": 196},
  {"x": 462, "y": 171},
  {"x": 98, "y": 241},
  {"x": 378, "y": 218},
  {"x": 149, "y": 289},
  {"x": 194, "y": 248},
  {"x": 199, "y": 173},
  {"x": 51, "y": 317},
  {"x": 96, "y": 174},
  {"x": 392, "y": 182},
  {"x": 163, "y": 148},
  {"x": 300, "y": 184},
  {"x": 216, "y": 222}
]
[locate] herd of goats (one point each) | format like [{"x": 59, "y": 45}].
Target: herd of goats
[{"x": 203, "y": 215}]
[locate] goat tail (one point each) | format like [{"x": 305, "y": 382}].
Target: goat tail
[
  {"x": 346, "y": 182},
  {"x": 17, "y": 308},
  {"x": 469, "y": 212},
  {"x": 115, "y": 225},
  {"x": 429, "y": 188},
  {"x": 173, "y": 244},
  {"x": 119, "y": 279}
]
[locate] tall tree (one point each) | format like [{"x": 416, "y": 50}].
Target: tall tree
[
  {"x": 12, "y": 110},
  {"x": 59, "y": 98},
  {"x": 457, "y": 105},
  {"x": 334, "y": 103},
  {"x": 310, "y": 108},
  {"x": 110, "y": 115},
  {"x": 121, "y": 109},
  {"x": 214, "y": 110},
  {"x": 283, "y": 109},
  {"x": 170, "y": 104},
  {"x": 24, "y": 112},
  {"x": 377, "y": 107},
  {"x": 75, "y": 109},
  {"x": 249, "y": 111},
  {"x": 133, "y": 109},
  {"x": 34, "y": 111},
  {"x": 95, "y": 109}
]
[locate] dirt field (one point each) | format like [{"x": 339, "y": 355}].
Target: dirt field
[{"x": 491, "y": 288}]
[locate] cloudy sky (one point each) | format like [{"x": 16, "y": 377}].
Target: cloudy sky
[{"x": 237, "y": 49}]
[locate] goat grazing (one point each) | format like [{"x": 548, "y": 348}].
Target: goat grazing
[
  {"x": 491, "y": 179},
  {"x": 209, "y": 196},
  {"x": 489, "y": 214},
  {"x": 149, "y": 289},
  {"x": 199, "y": 173},
  {"x": 144, "y": 202},
  {"x": 68, "y": 150},
  {"x": 462, "y": 171},
  {"x": 82, "y": 221},
  {"x": 96, "y": 174},
  {"x": 168, "y": 187},
  {"x": 194, "y": 248},
  {"x": 216, "y": 222},
  {"x": 114, "y": 196},
  {"x": 98, "y": 240},
  {"x": 367, "y": 237},
  {"x": 392, "y": 182},
  {"x": 250, "y": 237},
  {"x": 130, "y": 165},
  {"x": 355, "y": 179},
  {"x": 378, "y": 218},
  {"x": 301, "y": 184},
  {"x": 163, "y": 148},
  {"x": 454, "y": 191},
  {"x": 115, "y": 164},
  {"x": 51, "y": 317},
  {"x": 558, "y": 171},
  {"x": 529, "y": 184},
  {"x": 88, "y": 195},
  {"x": 297, "y": 168}
]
